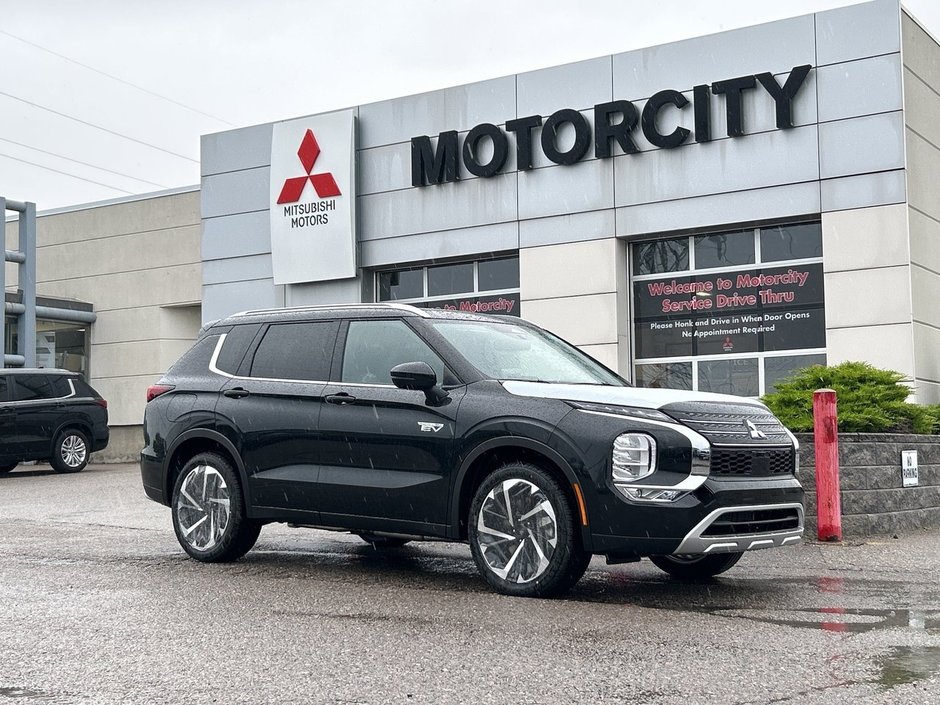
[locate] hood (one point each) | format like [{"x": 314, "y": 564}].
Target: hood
[{"x": 620, "y": 396}]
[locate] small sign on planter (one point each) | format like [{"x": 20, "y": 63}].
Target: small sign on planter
[{"x": 909, "y": 476}]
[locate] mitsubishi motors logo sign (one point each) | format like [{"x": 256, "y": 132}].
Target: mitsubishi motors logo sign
[
  {"x": 313, "y": 198},
  {"x": 323, "y": 184}
]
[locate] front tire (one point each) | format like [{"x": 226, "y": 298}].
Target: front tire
[
  {"x": 696, "y": 566},
  {"x": 523, "y": 535},
  {"x": 70, "y": 451},
  {"x": 209, "y": 511}
]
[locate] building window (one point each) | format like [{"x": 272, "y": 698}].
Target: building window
[
  {"x": 732, "y": 312},
  {"x": 480, "y": 286}
]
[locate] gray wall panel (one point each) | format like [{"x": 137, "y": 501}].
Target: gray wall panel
[
  {"x": 237, "y": 269},
  {"x": 857, "y": 31},
  {"x": 384, "y": 168},
  {"x": 716, "y": 211},
  {"x": 575, "y": 227},
  {"x": 458, "y": 108},
  {"x": 220, "y": 300},
  {"x": 555, "y": 190},
  {"x": 584, "y": 83},
  {"x": 246, "y": 148},
  {"x": 775, "y": 47},
  {"x": 341, "y": 291},
  {"x": 389, "y": 168},
  {"x": 432, "y": 208},
  {"x": 440, "y": 245},
  {"x": 882, "y": 188},
  {"x": 754, "y": 161},
  {"x": 861, "y": 145},
  {"x": 236, "y": 192},
  {"x": 236, "y": 235},
  {"x": 859, "y": 87}
]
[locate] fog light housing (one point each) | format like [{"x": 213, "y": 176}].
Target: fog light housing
[
  {"x": 642, "y": 494},
  {"x": 633, "y": 457}
]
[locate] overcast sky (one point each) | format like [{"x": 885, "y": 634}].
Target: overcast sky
[{"x": 115, "y": 93}]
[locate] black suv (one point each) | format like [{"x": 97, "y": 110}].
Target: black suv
[
  {"x": 50, "y": 415},
  {"x": 399, "y": 424}
]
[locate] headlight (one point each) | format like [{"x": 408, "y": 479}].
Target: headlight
[
  {"x": 634, "y": 457},
  {"x": 631, "y": 411}
]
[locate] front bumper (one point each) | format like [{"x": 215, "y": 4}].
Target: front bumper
[
  {"x": 720, "y": 516},
  {"x": 748, "y": 528}
]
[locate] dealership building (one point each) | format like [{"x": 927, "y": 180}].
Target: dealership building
[{"x": 709, "y": 214}]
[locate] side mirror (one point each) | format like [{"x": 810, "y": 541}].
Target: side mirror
[{"x": 421, "y": 377}]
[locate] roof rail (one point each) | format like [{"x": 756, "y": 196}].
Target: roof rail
[{"x": 327, "y": 307}]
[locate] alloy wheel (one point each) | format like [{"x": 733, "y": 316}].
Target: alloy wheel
[
  {"x": 73, "y": 451},
  {"x": 517, "y": 531},
  {"x": 203, "y": 507}
]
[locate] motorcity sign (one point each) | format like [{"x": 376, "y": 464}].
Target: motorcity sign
[
  {"x": 313, "y": 198},
  {"x": 615, "y": 124}
]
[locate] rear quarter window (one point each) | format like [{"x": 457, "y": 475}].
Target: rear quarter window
[
  {"x": 196, "y": 359},
  {"x": 61, "y": 387},
  {"x": 237, "y": 342}
]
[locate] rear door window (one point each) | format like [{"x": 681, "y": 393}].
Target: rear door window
[
  {"x": 30, "y": 387},
  {"x": 296, "y": 351}
]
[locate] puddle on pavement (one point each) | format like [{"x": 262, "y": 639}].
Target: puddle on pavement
[
  {"x": 908, "y": 664},
  {"x": 18, "y": 693},
  {"x": 839, "y": 619}
]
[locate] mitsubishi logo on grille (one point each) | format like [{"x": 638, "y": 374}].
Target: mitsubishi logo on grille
[
  {"x": 324, "y": 184},
  {"x": 753, "y": 431}
]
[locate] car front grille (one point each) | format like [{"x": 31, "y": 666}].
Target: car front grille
[
  {"x": 752, "y": 462},
  {"x": 760, "y": 521},
  {"x": 730, "y": 424}
]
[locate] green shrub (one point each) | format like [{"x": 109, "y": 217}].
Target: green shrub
[{"x": 870, "y": 400}]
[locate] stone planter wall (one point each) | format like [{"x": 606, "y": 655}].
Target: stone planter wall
[{"x": 873, "y": 500}]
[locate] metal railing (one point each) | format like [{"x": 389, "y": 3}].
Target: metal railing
[{"x": 27, "y": 311}]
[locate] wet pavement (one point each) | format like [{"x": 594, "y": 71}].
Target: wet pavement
[{"x": 98, "y": 604}]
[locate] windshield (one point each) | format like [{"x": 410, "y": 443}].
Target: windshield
[{"x": 512, "y": 351}]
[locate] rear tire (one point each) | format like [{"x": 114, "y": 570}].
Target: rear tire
[
  {"x": 381, "y": 542},
  {"x": 696, "y": 566},
  {"x": 4, "y": 469},
  {"x": 70, "y": 451},
  {"x": 209, "y": 511},
  {"x": 523, "y": 533}
]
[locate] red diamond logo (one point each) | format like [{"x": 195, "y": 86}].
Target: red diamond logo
[{"x": 324, "y": 184}]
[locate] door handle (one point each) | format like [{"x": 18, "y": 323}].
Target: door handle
[
  {"x": 236, "y": 393},
  {"x": 340, "y": 398}
]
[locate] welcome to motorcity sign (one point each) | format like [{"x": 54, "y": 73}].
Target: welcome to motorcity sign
[
  {"x": 615, "y": 124},
  {"x": 313, "y": 198}
]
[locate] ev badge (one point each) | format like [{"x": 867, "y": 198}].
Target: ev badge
[
  {"x": 753, "y": 431},
  {"x": 428, "y": 427}
]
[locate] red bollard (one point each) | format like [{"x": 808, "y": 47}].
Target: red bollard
[{"x": 826, "y": 436}]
